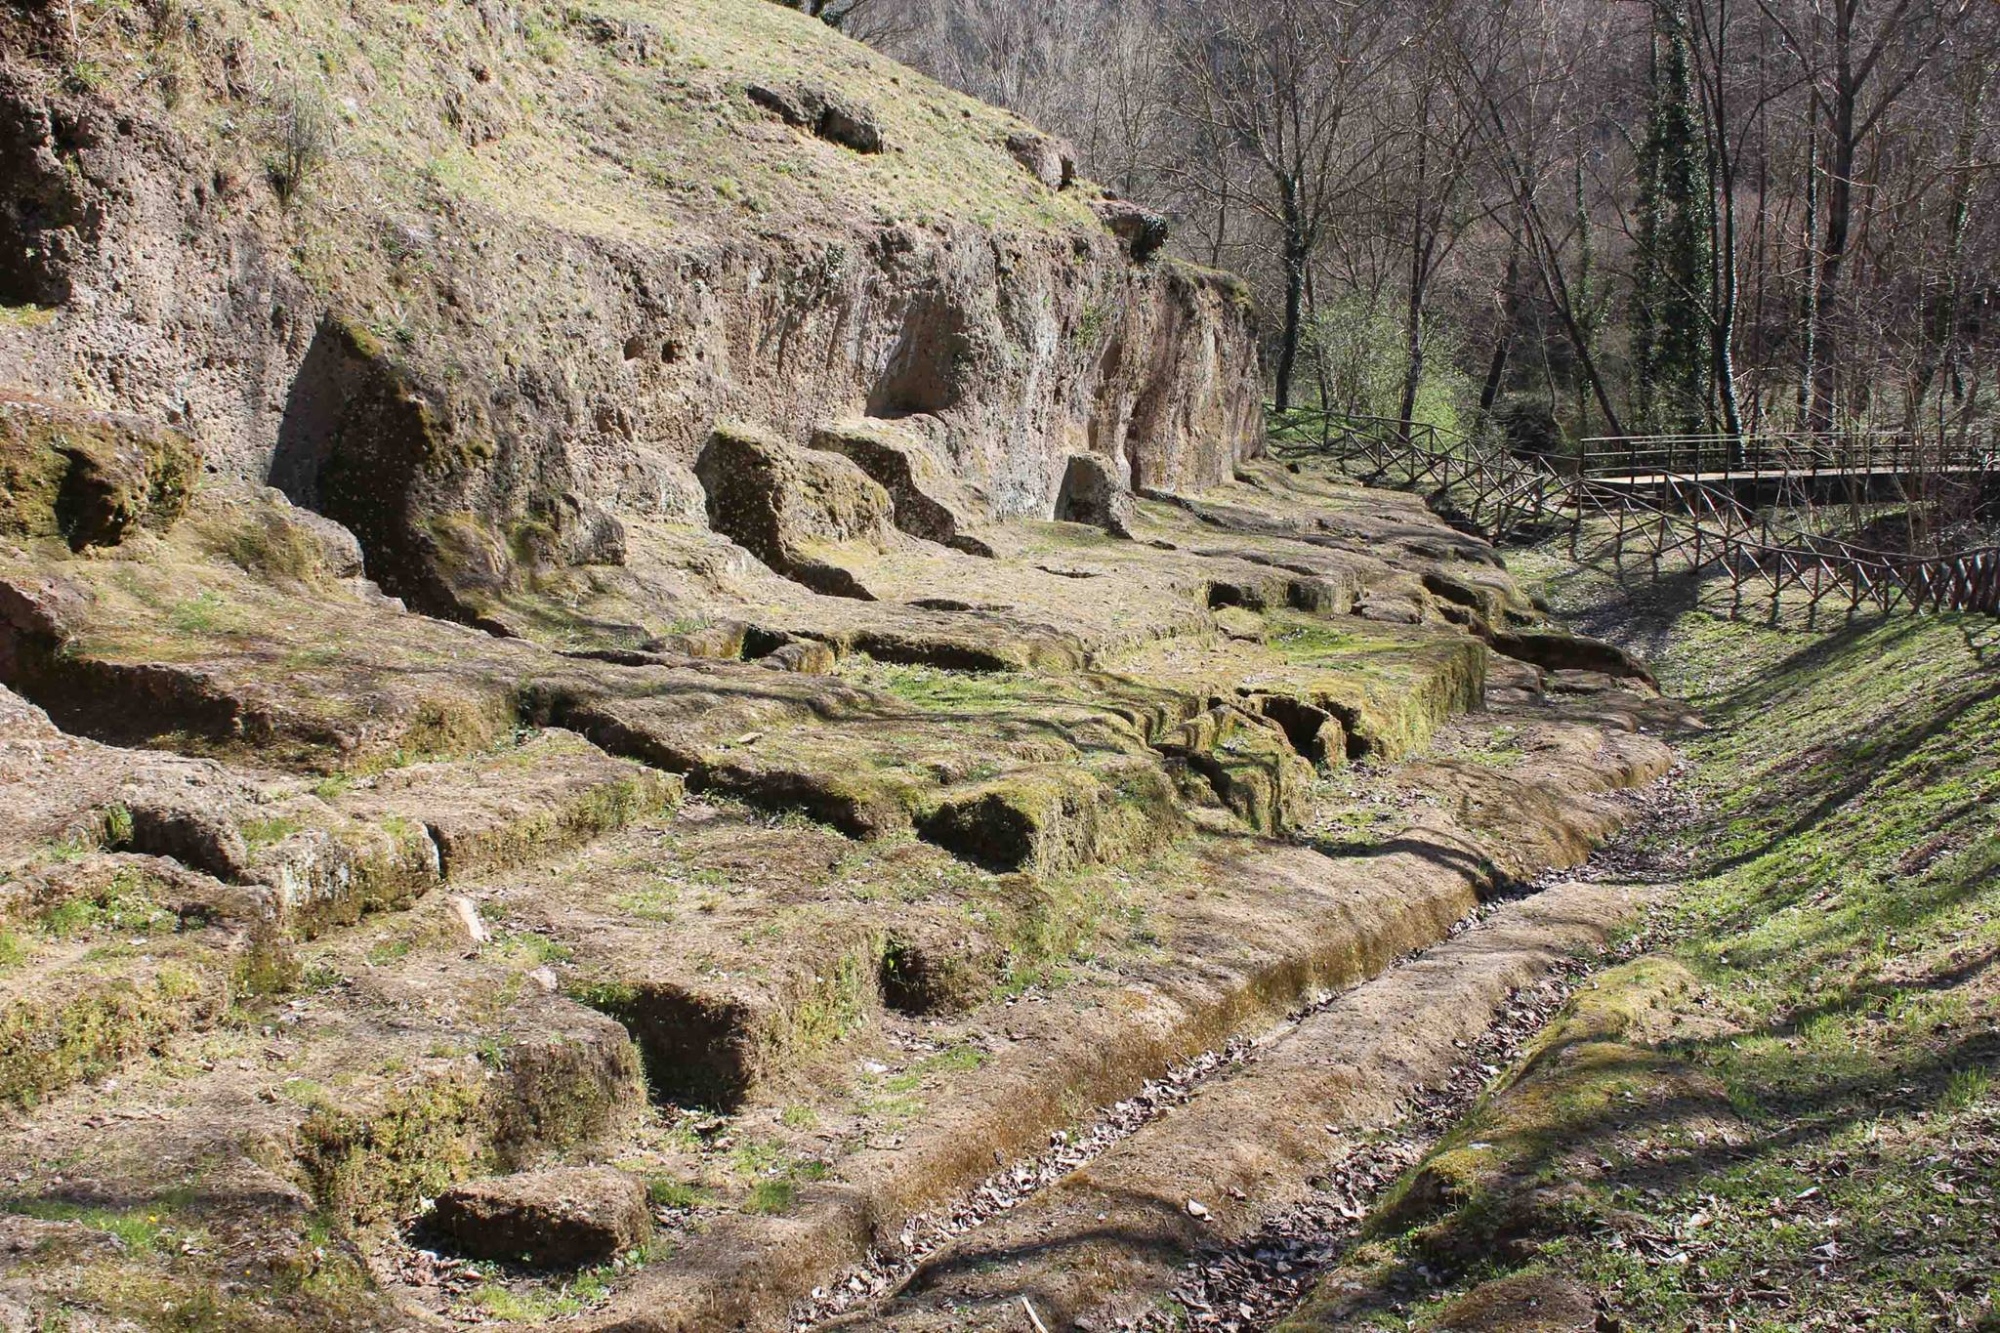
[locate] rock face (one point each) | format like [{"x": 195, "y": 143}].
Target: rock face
[
  {"x": 491, "y": 372},
  {"x": 779, "y": 503},
  {"x": 88, "y": 477},
  {"x": 547, "y": 1219}
]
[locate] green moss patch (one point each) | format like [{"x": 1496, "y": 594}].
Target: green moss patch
[{"x": 88, "y": 477}]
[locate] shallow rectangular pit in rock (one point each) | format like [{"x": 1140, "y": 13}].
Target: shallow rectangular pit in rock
[
  {"x": 559, "y": 1218},
  {"x": 711, "y": 1041}
]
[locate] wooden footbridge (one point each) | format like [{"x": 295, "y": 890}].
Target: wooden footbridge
[{"x": 1701, "y": 505}]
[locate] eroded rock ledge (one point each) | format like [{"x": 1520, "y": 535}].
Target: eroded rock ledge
[
  {"x": 485, "y": 364},
  {"x": 779, "y": 883}
]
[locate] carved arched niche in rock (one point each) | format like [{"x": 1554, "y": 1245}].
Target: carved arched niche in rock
[{"x": 928, "y": 366}]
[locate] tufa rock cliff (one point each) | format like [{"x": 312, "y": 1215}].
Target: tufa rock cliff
[{"x": 478, "y": 280}]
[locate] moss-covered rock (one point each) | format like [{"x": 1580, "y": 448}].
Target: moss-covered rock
[
  {"x": 374, "y": 1157},
  {"x": 1250, "y": 764},
  {"x": 1496, "y": 1184},
  {"x": 929, "y": 501},
  {"x": 88, "y": 477},
  {"x": 110, "y": 960},
  {"x": 779, "y": 502},
  {"x": 1045, "y": 819},
  {"x": 715, "y": 1040}
]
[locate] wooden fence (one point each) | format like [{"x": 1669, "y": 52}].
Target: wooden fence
[{"x": 1684, "y": 519}]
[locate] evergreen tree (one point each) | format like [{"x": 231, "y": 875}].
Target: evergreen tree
[{"x": 1672, "y": 315}]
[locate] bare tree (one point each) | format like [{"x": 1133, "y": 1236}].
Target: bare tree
[
  {"x": 1405, "y": 180},
  {"x": 1280, "y": 79},
  {"x": 1858, "y": 58},
  {"x": 878, "y": 22}
]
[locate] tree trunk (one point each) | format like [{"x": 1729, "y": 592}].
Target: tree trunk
[
  {"x": 1503, "y": 341},
  {"x": 1839, "y": 218},
  {"x": 1413, "y": 313},
  {"x": 1297, "y": 250},
  {"x": 1809, "y": 320}
]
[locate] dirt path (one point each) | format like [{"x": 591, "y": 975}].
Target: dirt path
[{"x": 1220, "y": 1199}]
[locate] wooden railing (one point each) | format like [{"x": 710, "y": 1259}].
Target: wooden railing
[
  {"x": 1687, "y": 518},
  {"x": 1852, "y": 453}
]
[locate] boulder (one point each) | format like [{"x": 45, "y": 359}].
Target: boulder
[
  {"x": 1050, "y": 161},
  {"x": 1553, "y": 650},
  {"x": 829, "y": 117},
  {"x": 929, "y": 502},
  {"x": 779, "y": 502},
  {"x": 1142, "y": 230},
  {"x": 805, "y": 657},
  {"x": 1091, "y": 494},
  {"x": 563, "y": 1218},
  {"x": 88, "y": 477}
]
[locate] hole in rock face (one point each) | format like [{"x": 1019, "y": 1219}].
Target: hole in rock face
[
  {"x": 671, "y": 352},
  {"x": 353, "y": 445},
  {"x": 1312, "y": 731},
  {"x": 312, "y": 416},
  {"x": 635, "y": 347},
  {"x": 1234, "y": 594},
  {"x": 39, "y": 212},
  {"x": 928, "y": 368}
]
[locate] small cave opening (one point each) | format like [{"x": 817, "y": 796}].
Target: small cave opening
[
  {"x": 39, "y": 213},
  {"x": 927, "y": 369},
  {"x": 353, "y": 442}
]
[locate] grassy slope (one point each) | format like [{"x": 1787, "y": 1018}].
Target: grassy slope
[
  {"x": 633, "y": 110},
  {"x": 459, "y": 135},
  {"x": 1785, "y": 1114}
]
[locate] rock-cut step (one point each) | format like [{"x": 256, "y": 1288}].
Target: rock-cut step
[
  {"x": 346, "y": 1105},
  {"x": 116, "y": 951},
  {"x": 1239, "y": 931},
  {"x": 112, "y": 955}
]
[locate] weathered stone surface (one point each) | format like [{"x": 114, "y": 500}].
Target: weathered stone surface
[
  {"x": 481, "y": 434},
  {"x": 830, "y": 117},
  {"x": 1054, "y": 818},
  {"x": 1142, "y": 230},
  {"x": 805, "y": 656},
  {"x": 1050, "y": 161},
  {"x": 780, "y": 503},
  {"x": 88, "y": 477},
  {"x": 562, "y": 1218},
  {"x": 1250, "y": 764},
  {"x": 929, "y": 502},
  {"x": 1554, "y": 650},
  {"x": 1092, "y": 494}
]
